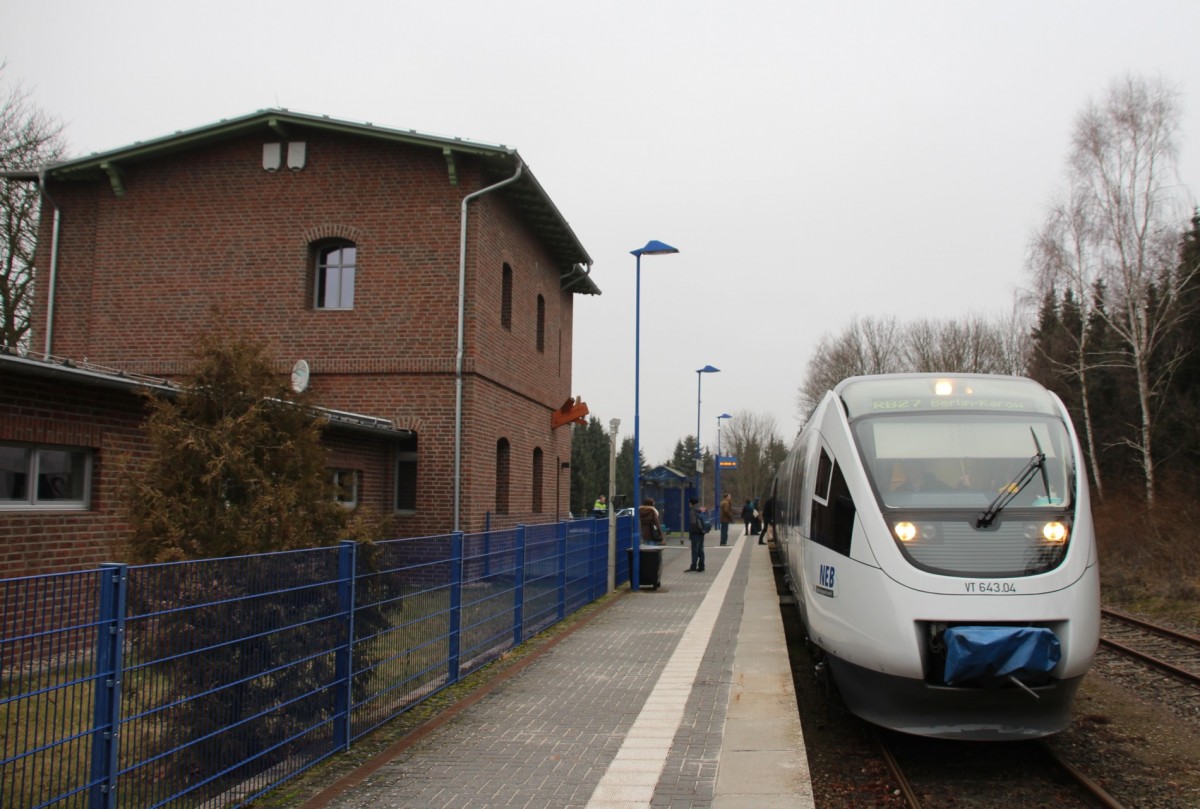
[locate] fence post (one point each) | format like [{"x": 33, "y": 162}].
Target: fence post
[
  {"x": 456, "y": 580},
  {"x": 344, "y": 655},
  {"x": 106, "y": 693},
  {"x": 598, "y": 549},
  {"x": 562, "y": 570},
  {"x": 519, "y": 588}
]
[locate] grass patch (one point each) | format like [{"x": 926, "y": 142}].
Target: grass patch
[{"x": 1148, "y": 558}]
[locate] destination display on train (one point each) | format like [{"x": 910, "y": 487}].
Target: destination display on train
[
  {"x": 948, "y": 403},
  {"x": 923, "y": 394}
]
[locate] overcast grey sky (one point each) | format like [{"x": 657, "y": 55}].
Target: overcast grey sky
[{"x": 812, "y": 161}]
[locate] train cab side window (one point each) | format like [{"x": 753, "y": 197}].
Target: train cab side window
[
  {"x": 833, "y": 508},
  {"x": 843, "y": 512},
  {"x": 824, "y": 467}
]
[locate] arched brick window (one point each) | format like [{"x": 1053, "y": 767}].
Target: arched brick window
[
  {"x": 537, "y": 480},
  {"x": 541, "y": 324},
  {"x": 503, "y": 475},
  {"x": 506, "y": 297},
  {"x": 333, "y": 269}
]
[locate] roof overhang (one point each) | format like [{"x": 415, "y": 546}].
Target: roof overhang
[{"x": 94, "y": 376}]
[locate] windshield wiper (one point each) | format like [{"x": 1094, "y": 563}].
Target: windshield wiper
[{"x": 1035, "y": 464}]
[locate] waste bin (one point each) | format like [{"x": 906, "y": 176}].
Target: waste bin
[{"x": 649, "y": 565}]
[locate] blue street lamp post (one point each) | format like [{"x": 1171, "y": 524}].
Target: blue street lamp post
[
  {"x": 717, "y": 474},
  {"x": 652, "y": 248},
  {"x": 707, "y": 369}
]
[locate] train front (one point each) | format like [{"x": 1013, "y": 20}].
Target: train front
[{"x": 987, "y": 614}]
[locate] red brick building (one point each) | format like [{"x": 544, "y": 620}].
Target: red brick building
[{"x": 443, "y": 347}]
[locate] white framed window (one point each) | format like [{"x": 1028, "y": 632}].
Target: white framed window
[
  {"x": 345, "y": 486},
  {"x": 333, "y": 275},
  {"x": 34, "y": 476}
]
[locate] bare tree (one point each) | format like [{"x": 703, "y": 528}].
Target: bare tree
[
  {"x": 884, "y": 346},
  {"x": 971, "y": 345},
  {"x": 1123, "y": 228},
  {"x": 866, "y": 346},
  {"x": 28, "y": 140},
  {"x": 753, "y": 438}
]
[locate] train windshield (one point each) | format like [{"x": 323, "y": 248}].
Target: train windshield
[{"x": 966, "y": 460}]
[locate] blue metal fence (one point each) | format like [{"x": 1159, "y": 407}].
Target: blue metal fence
[{"x": 216, "y": 680}]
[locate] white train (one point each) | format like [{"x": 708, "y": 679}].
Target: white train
[{"x": 938, "y": 538}]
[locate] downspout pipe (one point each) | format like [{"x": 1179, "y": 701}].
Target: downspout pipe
[
  {"x": 53, "y": 285},
  {"x": 459, "y": 352}
]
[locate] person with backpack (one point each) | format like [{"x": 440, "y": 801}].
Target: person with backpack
[
  {"x": 698, "y": 525},
  {"x": 748, "y": 515}
]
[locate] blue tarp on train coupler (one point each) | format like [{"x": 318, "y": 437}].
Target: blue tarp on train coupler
[{"x": 992, "y": 654}]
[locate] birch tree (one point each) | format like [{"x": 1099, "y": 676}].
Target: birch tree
[
  {"x": 1122, "y": 228},
  {"x": 1062, "y": 257}
]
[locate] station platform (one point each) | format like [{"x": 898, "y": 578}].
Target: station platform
[{"x": 676, "y": 697}]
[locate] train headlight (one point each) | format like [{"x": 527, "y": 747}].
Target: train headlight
[
  {"x": 905, "y": 531},
  {"x": 1054, "y": 531}
]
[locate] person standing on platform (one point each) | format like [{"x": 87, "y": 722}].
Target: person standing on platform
[
  {"x": 698, "y": 525},
  {"x": 600, "y": 507},
  {"x": 651, "y": 525},
  {"x": 748, "y": 515},
  {"x": 726, "y": 517}
]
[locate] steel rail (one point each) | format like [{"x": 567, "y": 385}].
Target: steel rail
[
  {"x": 1151, "y": 660},
  {"x": 902, "y": 782},
  {"x": 1094, "y": 790},
  {"x": 1161, "y": 630}
]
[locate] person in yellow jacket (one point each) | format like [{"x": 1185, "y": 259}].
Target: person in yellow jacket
[{"x": 600, "y": 507}]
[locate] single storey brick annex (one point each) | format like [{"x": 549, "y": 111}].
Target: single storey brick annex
[{"x": 421, "y": 286}]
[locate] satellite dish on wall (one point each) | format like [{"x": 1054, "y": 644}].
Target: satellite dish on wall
[{"x": 300, "y": 376}]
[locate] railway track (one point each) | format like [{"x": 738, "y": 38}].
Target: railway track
[
  {"x": 931, "y": 772},
  {"x": 1167, "y": 650}
]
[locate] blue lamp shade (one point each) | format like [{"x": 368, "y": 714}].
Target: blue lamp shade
[
  {"x": 708, "y": 369},
  {"x": 653, "y": 248}
]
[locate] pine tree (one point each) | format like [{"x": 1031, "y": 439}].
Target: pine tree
[
  {"x": 236, "y": 469},
  {"x": 236, "y": 465}
]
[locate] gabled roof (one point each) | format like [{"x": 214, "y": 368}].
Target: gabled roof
[
  {"x": 499, "y": 162},
  {"x": 664, "y": 474}
]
